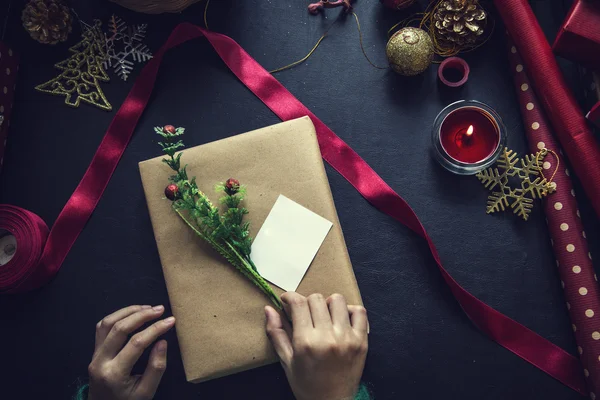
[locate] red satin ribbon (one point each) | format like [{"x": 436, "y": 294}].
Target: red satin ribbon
[{"x": 505, "y": 331}]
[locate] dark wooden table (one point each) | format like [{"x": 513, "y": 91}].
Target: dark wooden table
[{"x": 422, "y": 346}]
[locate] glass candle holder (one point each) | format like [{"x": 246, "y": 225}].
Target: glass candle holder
[{"x": 468, "y": 136}]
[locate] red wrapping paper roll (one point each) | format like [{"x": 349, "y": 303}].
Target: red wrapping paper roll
[
  {"x": 554, "y": 95},
  {"x": 9, "y": 65},
  {"x": 570, "y": 246}
]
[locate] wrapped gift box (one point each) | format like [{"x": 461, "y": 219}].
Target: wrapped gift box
[
  {"x": 592, "y": 96},
  {"x": 220, "y": 316},
  {"x": 579, "y": 36},
  {"x": 594, "y": 114},
  {"x": 9, "y": 63}
]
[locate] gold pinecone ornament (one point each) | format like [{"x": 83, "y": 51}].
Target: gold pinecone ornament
[
  {"x": 47, "y": 21},
  {"x": 460, "y": 22}
]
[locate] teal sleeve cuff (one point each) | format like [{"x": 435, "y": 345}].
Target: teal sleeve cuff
[
  {"x": 363, "y": 393},
  {"x": 82, "y": 393}
]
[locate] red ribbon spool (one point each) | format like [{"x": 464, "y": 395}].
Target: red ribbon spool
[{"x": 24, "y": 271}]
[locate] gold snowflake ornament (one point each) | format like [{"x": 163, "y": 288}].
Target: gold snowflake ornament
[{"x": 528, "y": 172}]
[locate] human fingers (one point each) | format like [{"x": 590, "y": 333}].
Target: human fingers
[
  {"x": 122, "y": 329},
  {"x": 278, "y": 335},
  {"x": 157, "y": 364},
  {"x": 338, "y": 309},
  {"x": 358, "y": 319},
  {"x": 106, "y": 324},
  {"x": 319, "y": 311},
  {"x": 139, "y": 342},
  {"x": 297, "y": 307}
]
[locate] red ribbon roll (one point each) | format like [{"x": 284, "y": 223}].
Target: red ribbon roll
[
  {"x": 510, "y": 334},
  {"x": 23, "y": 272}
]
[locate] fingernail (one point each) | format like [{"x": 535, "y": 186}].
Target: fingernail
[
  {"x": 267, "y": 313},
  {"x": 169, "y": 321},
  {"x": 146, "y": 307},
  {"x": 158, "y": 308},
  {"x": 161, "y": 346}
]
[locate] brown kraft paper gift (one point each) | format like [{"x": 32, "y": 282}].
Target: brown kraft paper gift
[{"x": 220, "y": 317}]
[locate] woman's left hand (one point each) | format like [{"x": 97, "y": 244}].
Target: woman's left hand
[{"x": 114, "y": 355}]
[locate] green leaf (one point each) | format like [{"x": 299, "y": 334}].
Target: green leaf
[{"x": 178, "y": 161}]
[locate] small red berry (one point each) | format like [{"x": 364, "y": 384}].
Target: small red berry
[
  {"x": 169, "y": 129},
  {"x": 172, "y": 192},
  {"x": 232, "y": 186}
]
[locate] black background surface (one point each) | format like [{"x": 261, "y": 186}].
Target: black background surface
[{"x": 422, "y": 346}]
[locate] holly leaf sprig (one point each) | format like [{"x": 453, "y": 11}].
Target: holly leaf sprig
[{"x": 224, "y": 230}]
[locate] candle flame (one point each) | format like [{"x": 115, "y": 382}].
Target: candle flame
[{"x": 470, "y": 130}]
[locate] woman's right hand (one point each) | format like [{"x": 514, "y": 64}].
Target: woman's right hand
[{"x": 324, "y": 354}]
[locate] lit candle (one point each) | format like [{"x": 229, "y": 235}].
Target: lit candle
[{"x": 468, "y": 137}]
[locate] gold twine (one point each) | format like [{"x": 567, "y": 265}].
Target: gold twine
[
  {"x": 205, "y": 13},
  {"x": 310, "y": 53},
  {"x": 360, "y": 38},
  {"x": 424, "y": 19},
  {"x": 537, "y": 163}
]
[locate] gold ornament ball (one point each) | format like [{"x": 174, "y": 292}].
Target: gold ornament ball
[{"x": 409, "y": 51}]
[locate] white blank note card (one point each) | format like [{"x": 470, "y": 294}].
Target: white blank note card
[{"x": 287, "y": 243}]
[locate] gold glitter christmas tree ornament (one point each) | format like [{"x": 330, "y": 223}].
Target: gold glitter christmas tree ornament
[
  {"x": 532, "y": 185},
  {"x": 82, "y": 72}
]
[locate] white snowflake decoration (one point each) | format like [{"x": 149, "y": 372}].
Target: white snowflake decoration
[{"x": 131, "y": 47}]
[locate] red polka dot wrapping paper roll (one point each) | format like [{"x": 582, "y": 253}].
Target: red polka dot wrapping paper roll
[
  {"x": 9, "y": 64},
  {"x": 573, "y": 259}
]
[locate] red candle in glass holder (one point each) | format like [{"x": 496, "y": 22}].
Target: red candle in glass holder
[{"x": 469, "y": 135}]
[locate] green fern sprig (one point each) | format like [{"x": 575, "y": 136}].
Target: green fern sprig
[{"x": 225, "y": 231}]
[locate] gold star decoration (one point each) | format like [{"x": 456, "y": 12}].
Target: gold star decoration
[{"x": 527, "y": 171}]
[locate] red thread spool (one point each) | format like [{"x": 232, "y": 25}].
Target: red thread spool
[{"x": 453, "y": 71}]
